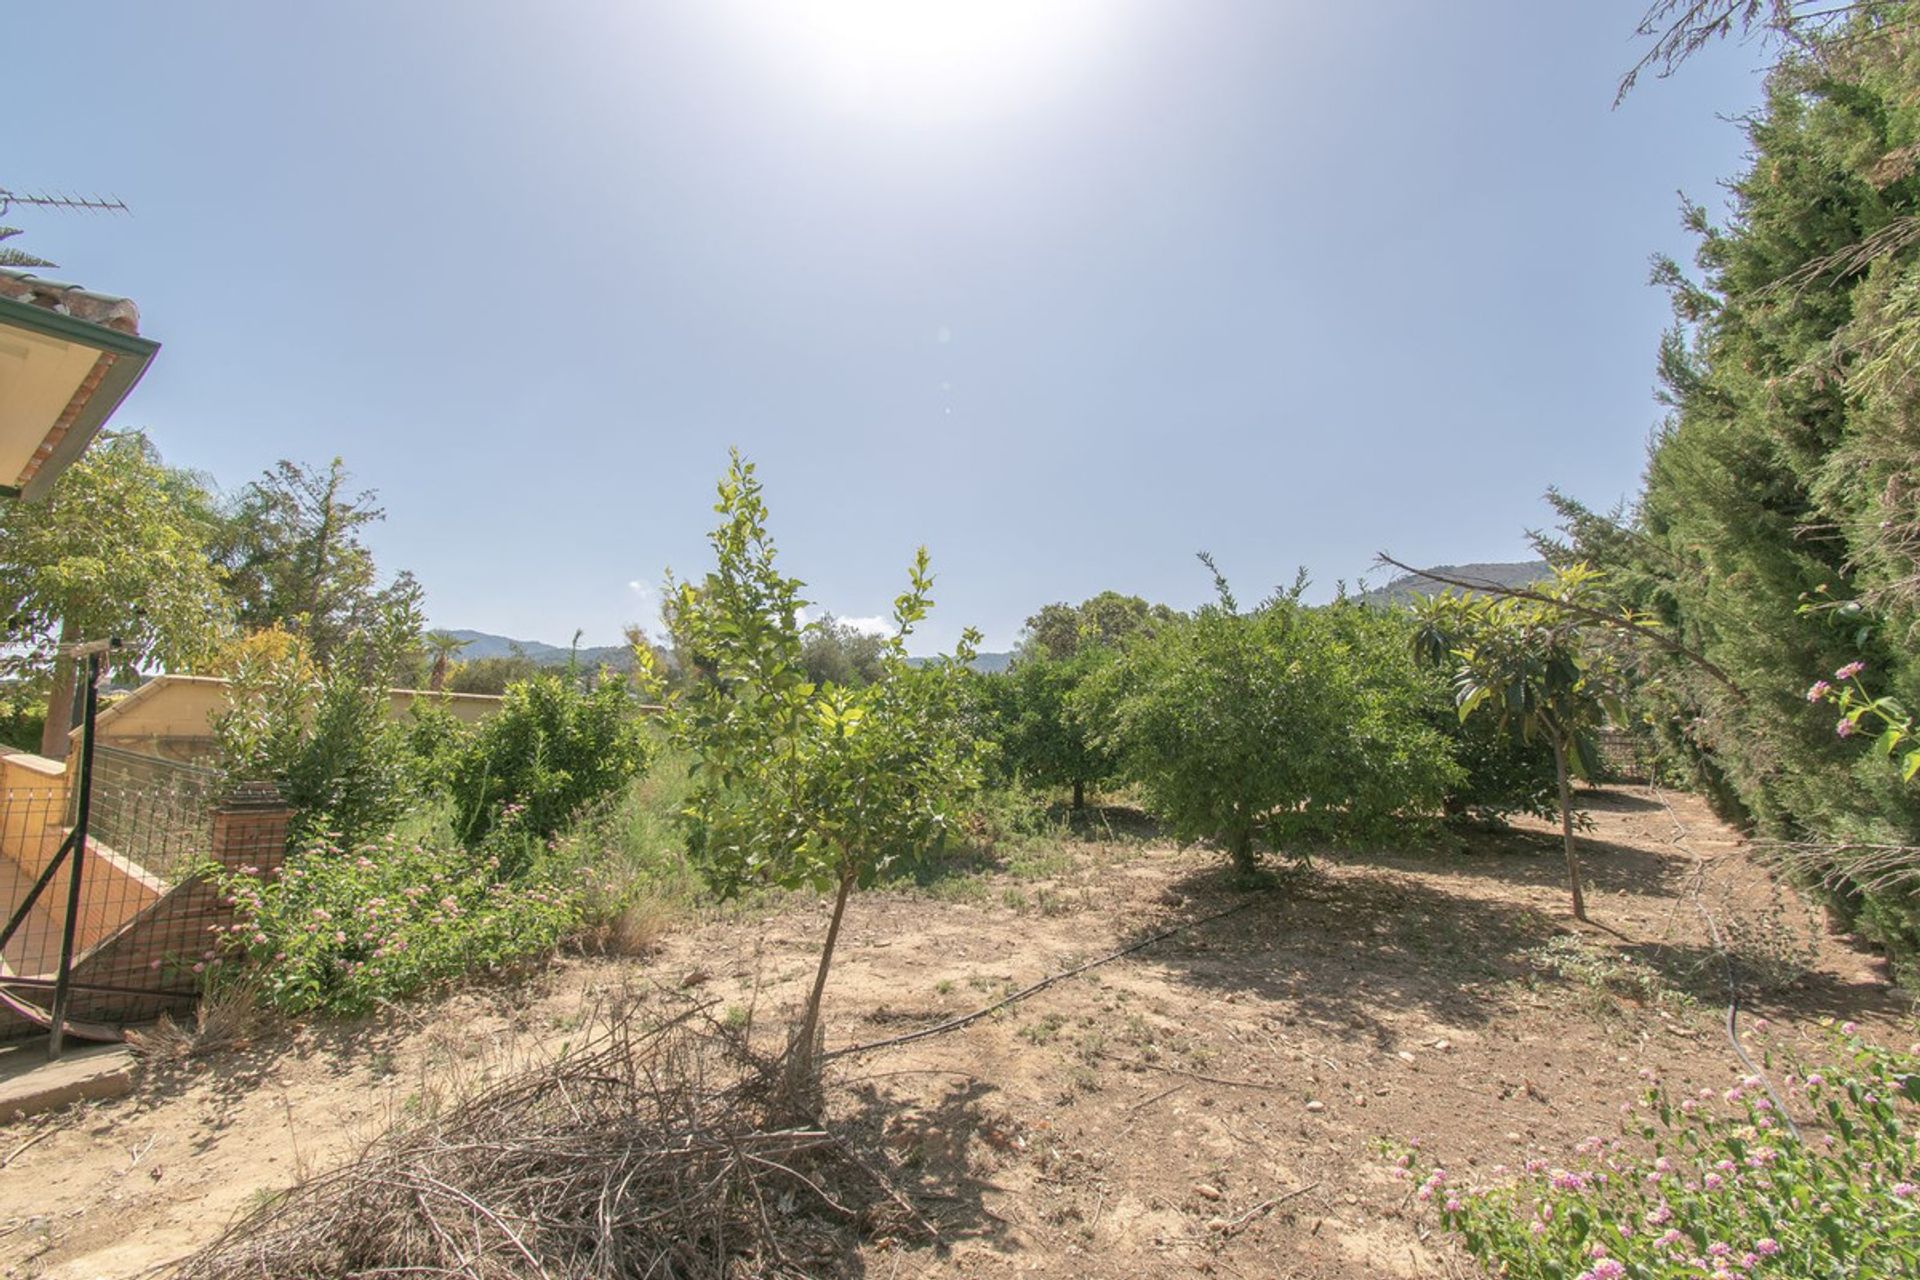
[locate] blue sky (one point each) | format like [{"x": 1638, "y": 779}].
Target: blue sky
[{"x": 1064, "y": 291}]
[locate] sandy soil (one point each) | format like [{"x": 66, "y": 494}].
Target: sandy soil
[{"x": 1226, "y": 1101}]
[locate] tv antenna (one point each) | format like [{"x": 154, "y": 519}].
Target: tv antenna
[
  {"x": 11, "y": 257},
  {"x": 61, "y": 200}
]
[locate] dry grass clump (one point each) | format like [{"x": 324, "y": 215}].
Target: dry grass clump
[
  {"x": 662, "y": 1153},
  {"x": 226, "y": 1018}
]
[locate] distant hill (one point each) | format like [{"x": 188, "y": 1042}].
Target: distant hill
[
  {"x": 1403, "y": 589},
  {"x": 481, "y": 644}
]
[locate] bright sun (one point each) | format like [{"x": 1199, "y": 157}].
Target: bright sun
[{"x": 962, "y": 56}]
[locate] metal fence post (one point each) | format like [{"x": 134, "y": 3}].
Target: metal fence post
[{"x": 57, "y": 1032}]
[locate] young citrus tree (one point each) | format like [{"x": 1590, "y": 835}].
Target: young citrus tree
[
  {"x": 1527, "y": 665},
  {"x": 801, "y": 785}
]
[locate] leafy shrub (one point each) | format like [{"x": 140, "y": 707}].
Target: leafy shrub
[
  {"x": 552, "y": 748},
  {"x": 1718, "y": 1186},
  {"x": 1279, "y": 725},
  {"x": 344, "y": 927},
  {"x": 22, "y": 720},
  {"x": 324, "y": 737}
]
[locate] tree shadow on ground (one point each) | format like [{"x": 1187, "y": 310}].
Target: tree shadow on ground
[
  {"x": 934, "y": 1148},
  {"x": 1521, "y": 857},
  {"x": 1336, "y": 949},
  {"x": 1702, "y": 972}
]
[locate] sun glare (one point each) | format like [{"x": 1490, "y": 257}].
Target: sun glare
[{"x": 950, "y": 56}]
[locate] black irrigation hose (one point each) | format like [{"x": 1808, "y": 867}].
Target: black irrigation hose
[{"x": 968, "y": 1019}]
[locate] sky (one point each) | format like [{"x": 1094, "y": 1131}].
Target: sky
[{"x": 1065, "y": 290}]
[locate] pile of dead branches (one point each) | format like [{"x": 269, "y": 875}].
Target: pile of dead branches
[{"x": 663, "y": 1153}]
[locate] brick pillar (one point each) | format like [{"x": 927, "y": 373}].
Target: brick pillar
[{"x": 250, "y": 828}]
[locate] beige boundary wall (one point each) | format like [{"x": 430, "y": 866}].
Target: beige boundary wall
[{"x": 172, "y": 716}]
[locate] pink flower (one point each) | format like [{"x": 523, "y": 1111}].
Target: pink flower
[
  {"x": 1849, "y": 671},
  {"x": 1845, "y": 728},
  {"x": 1766, "y": 1246},
  {"x": 1818, "y": 691},
  {"x": 1849, "y": 1028},
  {"x": 1905, "y": 1190}
]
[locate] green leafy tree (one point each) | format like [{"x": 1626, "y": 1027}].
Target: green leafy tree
[
  {"x": 1106, "y": 621},
  {"x": 1529, "y": 666},
  {"x": 295, "y": 556},
  {"x": 120, "y": 549},
  {"x": 1047, "y": 733},
  {"x": 799, "y": 784},
  {"x": 1277, "y": 726},
  {"x": 834, "y": 652}
]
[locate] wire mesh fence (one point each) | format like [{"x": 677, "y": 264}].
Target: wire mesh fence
[{"x": 152, "y": 814}]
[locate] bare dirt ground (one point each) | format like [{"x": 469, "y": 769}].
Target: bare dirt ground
[{"x": 1224, "y": 1102}]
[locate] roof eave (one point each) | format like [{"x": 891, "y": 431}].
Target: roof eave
[{"x": 132, "y": 354}]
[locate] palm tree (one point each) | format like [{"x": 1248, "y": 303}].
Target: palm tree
[
  {"x": 11, "y": 257},
  {"x": 444, "y": 649}
]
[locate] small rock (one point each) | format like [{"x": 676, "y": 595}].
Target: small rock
[
  {"x": 1316, "y": 1105},
  {"x": 1218, "y": 1224},
  {"x": 1208, "y": 1191},
  {"x": 1404, "y": 1056}
]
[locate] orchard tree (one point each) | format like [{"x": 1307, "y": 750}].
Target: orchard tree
[
  {"x": 120, "y": 549},
  {"x": 1276, "y": 726},
  {"x": 798, "y": 784},
  {"x": 1045, "y": 728},
  {"x": 1528, "y": 664}
]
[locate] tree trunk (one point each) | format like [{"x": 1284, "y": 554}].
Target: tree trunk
[
  {"x": 58, "y": 731},
  {"x": 1242, "y": 849},
  {"x": 803, "y": 1065},
  {"x": 438, "y": 680},
  {"x": 1079, "y": 795},
  {"x": 1566, "y": 826}
]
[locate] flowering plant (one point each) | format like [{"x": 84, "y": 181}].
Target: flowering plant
[
  {"x": 1719, "y": 1186},
  {"x": 341, "y": 928},
  {"x": 1847, "y": 695}
]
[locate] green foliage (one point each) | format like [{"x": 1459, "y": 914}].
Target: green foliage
[
  {"x": 327, "y": 740},
  {"x": 552, "y": 748},
  {"x": 347, "y": 926},
  {"x": 832, "y": 652},
  {"x": 797, "y": 783},
  {"x": 22, "y": 720},
  {"x": 121, "y": 548},
  {"x": 1501, "y": 774},
  {"x": 1786, "y": 475},
  {"x": 1044, "y": 729},
  {"x": 1717, "y": 1185},
  {"x": 294, "y": 554},
  {"x": 1106, "y": 621},
  {"x": 490, "y": 675},
  {"x": 1529, "y": 666},
  {"x": 1279, "y": 726}
]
